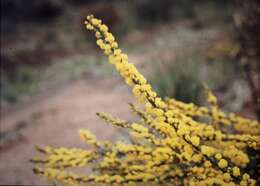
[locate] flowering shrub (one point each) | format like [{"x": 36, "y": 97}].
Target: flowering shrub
[{"x": 174, "y": 143}]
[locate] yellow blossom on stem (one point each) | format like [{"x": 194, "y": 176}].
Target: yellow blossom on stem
[
  {"x": 236, "y": 171},
  {"x": 168, "y": 145},
  {"x": 222, "y": 163}
]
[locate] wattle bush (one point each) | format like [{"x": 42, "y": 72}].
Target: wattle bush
[{"x": 174, "y": 143}]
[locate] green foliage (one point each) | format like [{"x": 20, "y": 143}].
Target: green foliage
[
  {"x": 27, "y": 80},
  {"x": 24, "y": 80},
  {"x": 183, "y": 78},
  {"x": 180, "y": 80}
]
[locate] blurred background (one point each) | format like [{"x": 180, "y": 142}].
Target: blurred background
[{"x": 54, "y": 78}]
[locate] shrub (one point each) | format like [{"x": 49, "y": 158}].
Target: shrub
[
  {"x": 170, "y": 144},
  {"x": 181, "y": 80},
  {"x": 23, "y": 81}
]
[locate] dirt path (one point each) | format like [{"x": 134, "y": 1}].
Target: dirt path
[{"x": 56, "y": 120}]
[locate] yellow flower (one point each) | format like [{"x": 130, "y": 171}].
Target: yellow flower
[
  {"x": 100, "y": 42},
  {"x": 117, "y": 52},
  {"x": 95, "y": 21},
  {"x": 243, "y": 183},
  {"x": 89, "y": 27},
  {"x": 87, "y": 136},
  {"x": 97, "y": 34},
  {"x": 103, "y": 28},
  {"x": 195, "y": 140},
  {"x": 196, "y": 158},
  {"x": 222, "y": 163},
  {"x": 114, "y": 45},
  {"x": 207, "y": 164},
  {"x": 226, "y": 177},
  {"x": 207, "y": 150},
  {"x": 218, "y": 156},
  {"x": 246, "y": 176},
  {"x": 139, "y": 128},
  {"x": 236, "y": 171}
]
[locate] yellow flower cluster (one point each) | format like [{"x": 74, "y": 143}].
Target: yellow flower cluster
[
  {"x": 169, "y": 144},
  {"x": 63, "y": 157},
  {"x": 88, "y": 137}
]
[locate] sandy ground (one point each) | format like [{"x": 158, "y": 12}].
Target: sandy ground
[{"x": 55, "y": 120}]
